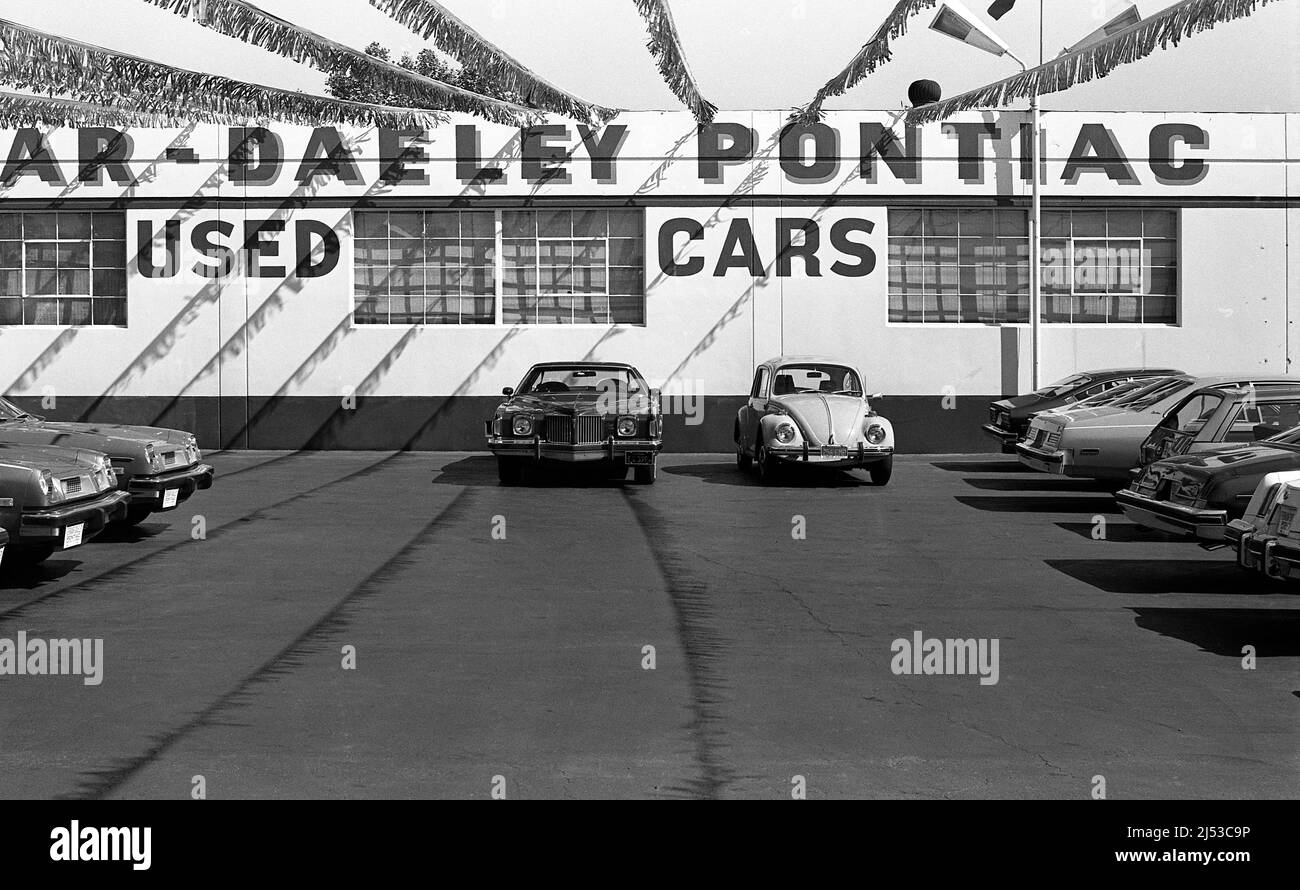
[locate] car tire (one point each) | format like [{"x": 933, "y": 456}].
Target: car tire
[
  {"x": 510, "y": 470},
  {"x": 646, "y": 475},
  {"x": 880, "y": 472},
  {"x": 768, "y": 469}
]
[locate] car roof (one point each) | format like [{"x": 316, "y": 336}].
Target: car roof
[
  {"x": 1124, "y": 372},
  {"x": 811, "y": 359},
  {"x": 584, "y": 364},
  {"x": 1280, "y": 391},
  {"x": 1247, "y": 376}
]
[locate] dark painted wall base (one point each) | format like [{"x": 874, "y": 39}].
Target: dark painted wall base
[{"x": 441, "y": 423}]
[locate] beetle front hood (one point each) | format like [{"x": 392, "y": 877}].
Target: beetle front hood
[{"x": 825, "y": 419}]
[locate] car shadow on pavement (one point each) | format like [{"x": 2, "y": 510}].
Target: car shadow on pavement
[
  {"x": 727, "y": 473},
  {"x": 120, "y": 533},
  {"x": 481, "y": 471},
  {"x": 1120, "y": 532},
  {"x": 983, "y": 466},
  {"x": 1275, "y": 633},
  {"x": 1045, "y": 504},
  {"x": 1043, "y": 483},
  {"x": 27, "y": 577},
  {"x": 1163, "y": 576}
]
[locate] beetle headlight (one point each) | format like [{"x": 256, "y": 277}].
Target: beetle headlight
[
  {"x": 785, "y": 433},
  {"x": 875, "y": 434},
  {"x": 522, "y": 425},
  {"x": 627, "y": 426}
]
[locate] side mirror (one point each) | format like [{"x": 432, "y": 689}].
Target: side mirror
[{"x": 508, "y": 391}]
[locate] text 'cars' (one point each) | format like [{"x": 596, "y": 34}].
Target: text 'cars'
[
  {"x": 578, "y": 412},
  {"x": 811, "y": 412},
  {"x": 159, "y": 468}
]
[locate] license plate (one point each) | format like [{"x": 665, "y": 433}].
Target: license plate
[
  {"x": 170, "y": 497},
  {"x": 73, "y": 534},
  {"x": 1285, "y": 516},
  {"x": 638, "y": 458},
  {"x": 835, "y": 451}
]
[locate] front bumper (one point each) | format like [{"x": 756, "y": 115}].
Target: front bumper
[
  {"x": 1007, "y": 438},
  {"x": 152, "y": 491},
  {"x": 812, "y": 456},
  {"x": 539, "y": 449},
  {"x": 50, "y": 524},
  {"x": 1199, "y": 522},
  {"x": 1041, "y": 459}
]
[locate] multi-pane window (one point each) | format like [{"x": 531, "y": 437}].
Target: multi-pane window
[
  {"x": 564, "y": 266},
  {"x": 63, "y": 267},
  {"x": 425, "y": 267},
  {"x": 1098, "y": 266}
]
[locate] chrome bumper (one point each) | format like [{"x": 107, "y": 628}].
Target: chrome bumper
[
  {"x": 539, "y": 449},
  {"x": 1198, "y": 522}
]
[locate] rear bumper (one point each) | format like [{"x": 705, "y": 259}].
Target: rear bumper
[
  {"x": 538, "y": 449},
  {"x": 1199, "y": 522},
  {"x": 149, "y": 491},
  {"x": 812, "y": 456},
  {"x": 46, "y": 526},
  {"x": 1262, "y": 552}
]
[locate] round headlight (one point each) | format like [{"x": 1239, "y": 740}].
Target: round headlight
[
  {"x": 523, "y": 425},
  {"x": 627, "y": 426},
  {"x": 785, "y": 433},
  {"x": 875, "y": 434}
]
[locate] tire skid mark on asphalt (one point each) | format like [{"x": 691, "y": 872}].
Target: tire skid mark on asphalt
[
  {"x": 313, "y": 640},
  {"x": 703, "y": 646},
  {"x": 18, "y": 610}
]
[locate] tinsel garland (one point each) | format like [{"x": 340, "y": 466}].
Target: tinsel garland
[
  {"x": 666, "y": 47},
  {"x": 18, "y": 110},
  {"x": 1096, "y": 60},
  {"x": 873, "y": 54},
  {"x": 47, "y": 63},
  {"x": 431, "y": 21},
  {"x": 246, "y": 22}
]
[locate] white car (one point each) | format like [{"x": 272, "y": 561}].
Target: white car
[
  {"x": 1106, "y": 443},
  {"x": 806, "y": 412},
  {"x": 1266, "y": 538}
]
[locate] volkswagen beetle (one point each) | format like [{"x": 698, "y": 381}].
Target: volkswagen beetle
[
  {"x": 54, "y": 499},
  {"x": 578, "y": 412},
  {"x": 159, "y": 468},
  {"x": 805, "y": 411}
]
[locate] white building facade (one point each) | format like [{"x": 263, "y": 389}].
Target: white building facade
[{"x": 300, "y": 287}]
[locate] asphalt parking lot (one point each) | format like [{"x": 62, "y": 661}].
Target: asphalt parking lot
[{"x": 517, "y": 660}]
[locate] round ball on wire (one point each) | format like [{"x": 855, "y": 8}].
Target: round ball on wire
[{"x": 923, "y": 92}]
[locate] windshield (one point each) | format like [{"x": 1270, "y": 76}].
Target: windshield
[
  {"x": 10, "y": 411},
  {"x": 1109, "y": 396},
  {"x": 1145, "y": 398},
  {"x": 580, "y": 379},
  {"x": 1061, "y": 387},
  {"x": 826, "y": 379},
  {"x": 1290, "y": 437}
]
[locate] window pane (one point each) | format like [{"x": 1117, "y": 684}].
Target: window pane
[
  {"x": 110, "y": 311},
  {"x": 478, "y": 225},
  {"x": 405, "y": 225},
  {"x": 554, "y": 224},
  {"x": 110, "y": 254},
  {"x": 11, "y": 226},
  {"x": 40, "y": 225},
  {"x": 1089, "y": 223},
  {"x": 74, "y": 225},
  {"x": 519, "y": 224},
  {"x": 40, "y": 311},
  {"x": 626, "y": 223},
  {"x": 1158, "y": 223},
  {"x": 11, "y": 311},
  {"x": 1013, "y": 223},
  {"x": 371, "y": 224},
  {"x": 11, "y": 254},
  {"x": 109, "y": 226},
  {"x": 904, "y": 223}
]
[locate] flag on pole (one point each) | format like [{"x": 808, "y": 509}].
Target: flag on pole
[{"x": 1000, "y": 8}]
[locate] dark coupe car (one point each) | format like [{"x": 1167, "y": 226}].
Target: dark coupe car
[
  {"x": 1009, "y": 418},
  {"x": 159, "y": 468},
  {"x": 1198, "y": 494},
  {"x": 578, "y": 412}
]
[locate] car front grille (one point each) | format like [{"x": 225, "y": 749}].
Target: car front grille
[
  {"x": 559, "y": 429},
  {"x": 590, "y": 430},
  {"x": 72, "y": 485},
  {"x": 169, "y": 458}
]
